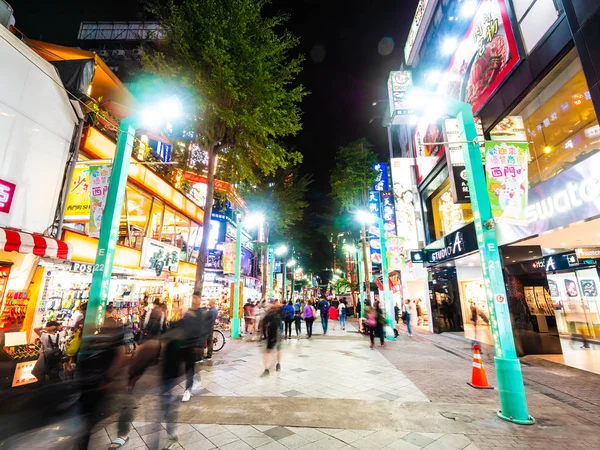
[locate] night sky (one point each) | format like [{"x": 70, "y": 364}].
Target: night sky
[{"x": 350, "y": 47}]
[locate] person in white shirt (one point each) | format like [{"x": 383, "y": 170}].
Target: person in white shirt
[{"x": 342, "y": 314}]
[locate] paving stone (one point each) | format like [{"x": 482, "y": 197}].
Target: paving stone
[
  {"x": 209, "y": 430},
  {"x": 273, "y": 446},
  {"x": 330, "y": 443},
  {"x": 236, "y": 445},
  {"x": 294, "y": 441},
  {"x": 149, "y": 428},
  {"x": 347, "y": 436},
  {"x": 401, "y": 444},
  {"x": 310, "y": 434},
  {"x": 418, "y": 439},
  {"x": 292, "y": 393},
  {"x": 257, "y": 441},
  {"x": 390, "y": 397},
  {"x": 299, "y": 370},
  {"x": 278, "y": 433},
  {"x": 223, "y": 438}
]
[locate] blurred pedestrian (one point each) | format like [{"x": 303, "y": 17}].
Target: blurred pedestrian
[
  {"x": 154, "y": 321},
  {"x": 49, "y": 363},
  {"x": 324, "y": 311},
  {"x": 380, "y": 324},
  {"x": 288, "y": 317},
  {"x": 298, "y": 307},
  {"x": 214, "y": 315},
  {"x": 342, "y": 314},
  {"x": 419, "y": 310},
  {"x": 273, "y": 335},
  {"x": 248, "y": 317},
  {"x": 308, "y": 314},
  {"x": 259, "y": 315},
  {"x": 333, "y": 315},
  {"x": 407, "y": 315}
]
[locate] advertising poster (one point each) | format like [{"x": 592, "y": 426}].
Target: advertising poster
[
  {"x": 99, "y": 181},
  {"x": 381, "y": 182},
  {"x": 485, "y": 56},
  {"x": 427, "y": 150},
  {"x": 78, "y": 197},
  {"x": 506, "y": 171},
  {"x": 394, "y": 247},
  {"x": 404, "y": 199},
  {"x": 229, "y": 257},
  {"x": 388, "y": 213},
  {"x": 373, "y": 231}
]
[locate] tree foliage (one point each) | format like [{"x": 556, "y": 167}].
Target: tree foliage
[
  {"x": 353, "y": 175},
  {"x": 239, "y": 67}
]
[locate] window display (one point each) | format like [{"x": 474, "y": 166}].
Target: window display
[
  {"x": 560, "y": 121},
  {"x": 448, "y": 216}
]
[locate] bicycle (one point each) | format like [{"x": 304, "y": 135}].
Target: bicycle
[{"x": 218, "y": 340}]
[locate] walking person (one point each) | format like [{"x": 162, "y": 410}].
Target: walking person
[
  {"x": 342, "y": 314},
  {"x": 298, "y": 316},
  {"x": 259, "y": 314},
  {"x": 380, "y": 324},
  {"x": 288, "y": 317},
  {"x": 406, "y": 316},
  {"x": 214, "y": 315},
  {"x": 324, "y": 310},
  {"x": 273, "y": 336},
  {"x": 334, "y": 315},
  {"x": 308, "y": 314}
]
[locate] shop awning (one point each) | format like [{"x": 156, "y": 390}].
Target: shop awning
[{"x": 20, "y": 242}]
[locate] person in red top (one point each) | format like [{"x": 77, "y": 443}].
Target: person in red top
[{"x": 334, "y": 315}]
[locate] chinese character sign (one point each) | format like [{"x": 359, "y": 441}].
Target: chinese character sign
[
  {"x": 506, "y": 170},
  {"x": 78, "y": 197},
  {"x": 373, "y": 231},
  {"x": 98, "y": 188}
]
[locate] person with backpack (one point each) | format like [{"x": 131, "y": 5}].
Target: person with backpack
[
  {"x": 298, "y": 317},
  {"x": 154, "y": 321},
  {"x": 324, "y": 309},
  {"x": 342, "y": 314},
  {"x": 49, "y": 363},
  {"x": 288, "y": 313},
  {"x": 308, "y": 314}
]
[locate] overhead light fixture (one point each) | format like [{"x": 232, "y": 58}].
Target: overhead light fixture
[
  {"x": 547, "y": 149},
  {"x": 563, "y": 243}
]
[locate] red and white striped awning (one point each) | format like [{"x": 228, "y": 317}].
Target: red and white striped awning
[{"x": 18, "y": 241}]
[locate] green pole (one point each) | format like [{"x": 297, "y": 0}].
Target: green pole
[
  {"x": 387, "y": 295},
  {"x": 235, "y": 320},
  {"x": 361, "y": 283},
  {"x": 270, "y": 250},
  {"x": 109, "y": 230},
  {"x": 508, "y": 369}
]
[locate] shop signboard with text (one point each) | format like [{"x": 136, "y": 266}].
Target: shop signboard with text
[
  {"x": 451, "y": 246},
  {"x": 78, "y": 196},
  {"x": 399, "y": 82},
  {"x": 229, "y": 257},
  {"x": 7, "y": 193},
  {"x": 99, "y": 181},
  {"x": 507, "y": 183},
  {"x": 158, "y": 257},
  {"x": 484, "y": 57},
  {"x": 568, "y": 197}
]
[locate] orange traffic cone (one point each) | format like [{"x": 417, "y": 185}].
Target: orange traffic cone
[{"x": 478, "y": 377}]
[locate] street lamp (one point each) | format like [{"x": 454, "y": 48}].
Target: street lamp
[
  {"x": 367, "y": 218},
  {"x": 508, "y": 369},
  {"x": 164, "y": 111},
  {"x": 250, "y": 222}
]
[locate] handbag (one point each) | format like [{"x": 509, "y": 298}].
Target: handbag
[{"x": 371, "y": 322}]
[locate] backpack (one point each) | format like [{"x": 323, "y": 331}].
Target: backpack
[
  {"x": 153, "y": 327},
  {"x": 325, "y": 309},
  {"x": 288, "y": 314},
  {"x": 297, "y": 309},
  {"x": 371, "y": 322},
  {"x": 53, "y": 358}
]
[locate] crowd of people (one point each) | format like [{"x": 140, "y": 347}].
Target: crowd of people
[{"x": 106, "y": 366}]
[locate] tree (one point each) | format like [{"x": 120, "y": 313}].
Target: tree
[
  {"x": 239, "y": 68},
  {"x": 351, "y": 179}
]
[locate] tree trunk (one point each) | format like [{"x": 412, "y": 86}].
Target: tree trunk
[{"x": 208, "y": 206}]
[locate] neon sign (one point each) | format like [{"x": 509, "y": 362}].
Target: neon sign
[{"x": 7, "y": 193}]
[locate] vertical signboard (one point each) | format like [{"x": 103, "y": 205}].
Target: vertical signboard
[
  {"x": 7, "y": 193},
  {"x": 506, "y": 170},
  {"x": 229, "y": 257},
  {"x": 99, "y": 181},
  {"x": 78, "y": 196},
  {"x": 404, "y": 199},
  {"x": 374, "y": 205},
  {"x": 398, "y": 84}
]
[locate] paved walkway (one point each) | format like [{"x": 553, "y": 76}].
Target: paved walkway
[{"x": 333, "y": 392}]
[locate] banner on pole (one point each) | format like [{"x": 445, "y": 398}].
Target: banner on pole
[
  {"x": 99, "y": 181},
  {"x": 229, "y": 257},
  {"x": 506, "y": 170},
  {"x": 78, "y": 196}
]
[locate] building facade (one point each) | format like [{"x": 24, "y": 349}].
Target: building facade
[{"x": 529, "y": 70}]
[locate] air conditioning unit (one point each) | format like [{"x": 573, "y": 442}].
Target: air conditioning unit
[
  {"x": 118, "y": 53},
  {"x": 103, "y": 53},
  {"x": 137, "y": 53}
]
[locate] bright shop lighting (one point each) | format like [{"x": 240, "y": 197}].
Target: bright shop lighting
[
  {"x": 433, "y": 76},
  {"x": 365, "y": 217},
  {"x": 547, "y": 149},
  {"x": 291, "y": 263},
  {"x": 468, "y": 8},
  {"x": 350, "y": 248},
  {"x": 449, "y": 46},
  {"x": 253, "y": 220},
  {"x": 281, "y": 250},
  {"x": 166, "y": 110}
]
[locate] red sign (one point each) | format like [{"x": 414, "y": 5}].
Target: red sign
[
  {"x": 7, "y": 193},
  {"x": 484, "y": 58},
  {"x": 220, "y": 186}
]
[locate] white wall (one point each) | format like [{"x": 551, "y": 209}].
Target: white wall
[{"x": 36, "y": 127}]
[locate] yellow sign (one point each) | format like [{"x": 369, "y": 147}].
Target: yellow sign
[{"x": 78, "y": 198}]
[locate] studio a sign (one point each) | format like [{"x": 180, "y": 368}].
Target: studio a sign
[
  {"x": 452, "y": 245},
  {"x": 7, "y": 193},
  {"x": 588, "y": 253}
]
